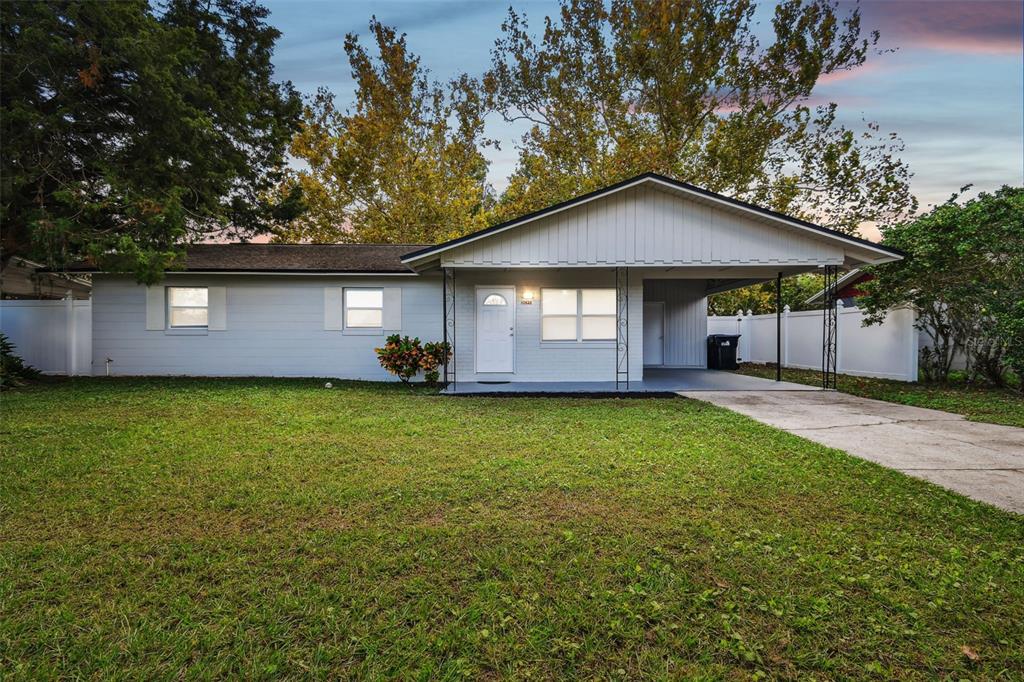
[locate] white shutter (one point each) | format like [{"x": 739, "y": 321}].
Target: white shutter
[
  {"x": 155, "y": 311},
  {"x": 217, "y": 309},
  {"x": 393, "y": 309},
  {"x": 334, "y": 308}
]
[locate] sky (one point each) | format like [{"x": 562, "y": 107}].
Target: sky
[{"x": 949, "y": 78}]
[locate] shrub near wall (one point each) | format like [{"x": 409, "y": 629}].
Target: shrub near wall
[
  {"x": 405, "y": 357},
  {"x": 13, "y": 370}
]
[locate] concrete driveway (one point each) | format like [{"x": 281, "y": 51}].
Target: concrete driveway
[{"x": 981, "y": 461}]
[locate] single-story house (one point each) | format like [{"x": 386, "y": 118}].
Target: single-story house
[{"x": 600, "y": 288}]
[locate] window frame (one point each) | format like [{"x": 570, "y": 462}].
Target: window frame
[
  {"x": 168, "y": 299},
  {"x": 345, "y": 308},
  {"x": 579, "y": 315}
]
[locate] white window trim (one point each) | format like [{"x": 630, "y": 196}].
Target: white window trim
[
  {"x": 170, "y": 309},
  {"x": 345, "y": 307},
  {"x": 579, "y": 317}
]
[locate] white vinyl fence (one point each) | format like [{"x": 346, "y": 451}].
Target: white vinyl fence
[
  {"x": 55, "y": 337},
  {"x": 888, "y": 350}
]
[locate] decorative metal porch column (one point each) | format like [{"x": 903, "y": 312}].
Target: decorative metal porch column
[
  {"x": 778, "y": 327},
  {"x": 621, "y": 328},
  {"x": 448, "y": 322},
  {"x": 830, "y": 332}
]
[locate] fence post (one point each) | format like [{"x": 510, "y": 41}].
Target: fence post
[
  {"x": 748, "y": 333},
  {"x": 69, "y": 338},
  {"x": 912, "y": 352},
  {"x": 739, "y": 330},
  {"x": 785, "y": 336},
  {"x": 839, "y": 336}
]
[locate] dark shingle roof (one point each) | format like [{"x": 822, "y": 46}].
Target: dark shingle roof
[{"x": 370, "y": 258}]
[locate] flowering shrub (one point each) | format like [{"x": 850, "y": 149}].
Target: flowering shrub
[{"x": 405, "y": 357}]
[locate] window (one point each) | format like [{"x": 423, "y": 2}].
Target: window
[
  {"x": 578, "y": 314},
  {"x": 364, "y": 308},
  {"x": 558, "y": 314},
  {"x": 187, "y": 307},
  {"x": 495, "y": 299},
  {"x": 598, "y": 320}
]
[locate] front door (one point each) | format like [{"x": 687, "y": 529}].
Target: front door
[
  {"x": 495, "y": 329},
  {"x": 654, "y": 334}
]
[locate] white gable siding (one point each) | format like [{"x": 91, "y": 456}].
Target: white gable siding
[
  {"x": 274, "y": 326},
  {"x": 643, "y": 225}
]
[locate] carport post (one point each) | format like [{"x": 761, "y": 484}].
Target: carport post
[{"x": 778, "y": 327}]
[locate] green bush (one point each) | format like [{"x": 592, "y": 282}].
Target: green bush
[{"x": 13, "y": 370}]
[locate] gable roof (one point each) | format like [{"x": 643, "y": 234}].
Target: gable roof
[
  {"x": 296, "y": 258},
  {"x": 663, "y": 181}
]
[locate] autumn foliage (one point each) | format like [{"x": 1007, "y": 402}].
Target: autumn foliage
[{"x": 405, "y": 357}]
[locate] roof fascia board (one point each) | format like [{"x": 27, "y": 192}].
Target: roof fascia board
[
  {"x": 779, "y": 218},
  {"x": 840, "y": 283},
  {"x": 517, "y": 222},
  {"x": 654, "y": 266},
  {"x": 308, "y": 273}
]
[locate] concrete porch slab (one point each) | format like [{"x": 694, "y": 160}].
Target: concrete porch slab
[{"x": 655, "y": 380}]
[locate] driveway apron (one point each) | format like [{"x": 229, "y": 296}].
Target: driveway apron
[{"x": 982, "y": 461}]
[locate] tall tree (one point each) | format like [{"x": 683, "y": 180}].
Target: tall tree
[
  {"x": 404, "y": 165},
  {"x": 964, "y": 277},
  {"x": 130, "y": 129},
  {"x": 688, "y": 90}
]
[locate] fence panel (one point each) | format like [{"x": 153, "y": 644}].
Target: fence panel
[
  {"x": 888, "y": 350},
  {"x": 805, "y": 339},
  {"x": 55, "y": 337}
]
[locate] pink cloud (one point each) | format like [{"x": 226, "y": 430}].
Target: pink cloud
[
  {"x": 866, "y": 69},
  {"x": 978, "y": 27}
]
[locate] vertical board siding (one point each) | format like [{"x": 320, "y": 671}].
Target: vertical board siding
[
  {"x": 275, "y": 327},
  {"x": 642, "y": 225},
  {"x": 686, "y": 321}
]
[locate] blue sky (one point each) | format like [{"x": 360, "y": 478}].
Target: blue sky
[{"x": 953, "y": 89}]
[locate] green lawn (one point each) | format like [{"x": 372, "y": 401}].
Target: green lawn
[
  {"x": 258, "y": 528},
  {"x": 977, "y": 403}
]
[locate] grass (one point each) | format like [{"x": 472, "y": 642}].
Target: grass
[
  {"x": 258, "y": 528},
  {"x": 977, "y": 403}
]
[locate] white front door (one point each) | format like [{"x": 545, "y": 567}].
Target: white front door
[
  {"x": 495, "y": 329},
  {"x": 654, "y": 334}
]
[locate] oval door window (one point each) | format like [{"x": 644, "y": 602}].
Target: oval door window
[{"x": 495, "y": 299}]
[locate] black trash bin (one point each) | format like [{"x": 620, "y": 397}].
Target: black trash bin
[{"x": 722, "y": 350}]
